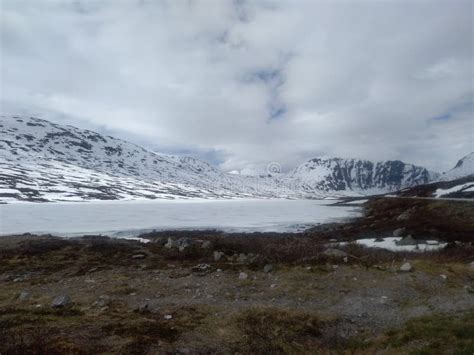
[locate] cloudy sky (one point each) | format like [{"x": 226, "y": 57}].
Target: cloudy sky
[{"x": 245, "y": 83}]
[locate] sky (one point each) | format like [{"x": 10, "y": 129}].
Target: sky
[{"x": 243, "y": 84}]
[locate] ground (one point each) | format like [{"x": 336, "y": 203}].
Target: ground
[{"x": 145, "y": 298}]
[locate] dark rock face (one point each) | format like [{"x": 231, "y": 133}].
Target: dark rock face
[{"x": 350, "y": 174}]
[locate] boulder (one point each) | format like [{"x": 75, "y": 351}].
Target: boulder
[
  {"x": 218, "y": 255},
  {"x": 61, "y": 301},
  {"x": 404, "y": 216},
  {"x": 268, "y": 268},
  {"x": 103, "y": 301},
  {"x": 407, "y": 241},
  {"x": 243, "y": 276},
  {"x": 242, "y": 258},
  {"x": 24, "y": 296},
  {"x": 201, "y": 267},
  {"x": 406, "y": 267},
  {"x": 400, "y": 232},
  {"x": 171, "y": 244},
  {"x": 206, "y": 245}
]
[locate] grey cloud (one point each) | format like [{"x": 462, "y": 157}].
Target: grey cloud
[{"x": 339, "y": 78}]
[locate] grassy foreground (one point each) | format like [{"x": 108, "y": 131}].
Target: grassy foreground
[{"x": 242, "y": 294}]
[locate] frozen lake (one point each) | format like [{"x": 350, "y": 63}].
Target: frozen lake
[{"x": 129, "y": 218}]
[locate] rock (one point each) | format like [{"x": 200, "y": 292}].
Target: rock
[
  {"x": 407, "y": 241},
  {"x": 218, "y": 255},
  {"x": 379, "y": 240},
  {"x": 139, "y": 256},
  {"x": 24, "y": 296},
  {"x": 201, "y": 267},
  {"x": 471, "y": 264},
  {"x": 61, "y": 301},
  {"x": 243, "y": 276},
  {"x": 206, "y": 245},
  {"x": 171, "y": 244},
  {"x": 404, "y": 216},
  {"x": 444, "y": 277},
  {"x": 243, "y": 258},
  {"x": 145, "y": 308},
  {"x": 334, "y": 253},
  {"x": 268, "y": 268},
  {"x": 406, "y": 267},
  {"x": 346, "y": 259},
  {"x": 102, "y": 302},
  {"x": 400, "y": 232},
  {"x": 168, "y": 316}
]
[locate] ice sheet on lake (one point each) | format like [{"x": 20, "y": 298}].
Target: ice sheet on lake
[{"x": 129, "y": 218}]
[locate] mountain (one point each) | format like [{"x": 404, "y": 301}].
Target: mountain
[
  {"x": 338, "y": 174},
  {"x": 464, "y": 167},
  {"x": 43, "y": 161}
]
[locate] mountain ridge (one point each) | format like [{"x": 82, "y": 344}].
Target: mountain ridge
[{"x": 44, "y": 161}]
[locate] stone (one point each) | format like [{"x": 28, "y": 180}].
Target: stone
[
  {"x": 243, "y": 276},
  {"x": 406, "y": 267},
  {"x": 379, "y": 240},
  {"x": 168, "y": 316},
  {"x": 206, "y": 245},
  {"x": 144, "y": 308},
  {"x": 444, "y": 277},
  {"x": 346, "y": 259},
  {"x": 242, "y": 258},
  {"x": 201, "y": 267},
  {"x": 404, "y": 216},
  {"x": 102, "y": 302},
  {"x": 400, "y": 232},
  {"x": 139, "y": 256},
  {"x": 408, "y": 240},
  {"x": 61, "y": 301},
  {"x": 171, "y": 244},
  {"x": 268, "y": 268},
  {"x": 24, "y": 296},
  {"x": 471, "y": 264},
  {"x": 218, "y": 255},
  {"x": 334, "y": 253}
]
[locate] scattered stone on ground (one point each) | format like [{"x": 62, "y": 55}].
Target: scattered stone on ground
[
  {"x": 268, "y": 268},
  {"x": 408, "y": 240},
  {"x": 218, "y": 255},
  {"x": 61, "y": 301},
  {"x": 400, "y": 232},
  {"x": 243, "y": 276},
  {"x": 24, "y": 296},
  {"x": 406, "y": 267}
]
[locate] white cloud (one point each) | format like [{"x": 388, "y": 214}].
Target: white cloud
[{"x": 349, "y": 78}]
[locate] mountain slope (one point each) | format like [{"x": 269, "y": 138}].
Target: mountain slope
[
  {"x": 359, "y": 175},
  {"x": 44, "y": 161},
  {"x": 464, "y": 167}
]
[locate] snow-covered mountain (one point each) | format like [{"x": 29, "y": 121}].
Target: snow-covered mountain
[
  {"x": 359, "y": 175},
  {"x": 44, "y": 161},
  {"x": 464, "y": 167}
]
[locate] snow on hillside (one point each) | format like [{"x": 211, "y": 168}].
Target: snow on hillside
[
  {"x": 361, "y": 176},
  {"x": 44, "y": 161},
  {"x": 464, "y": 167}
]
